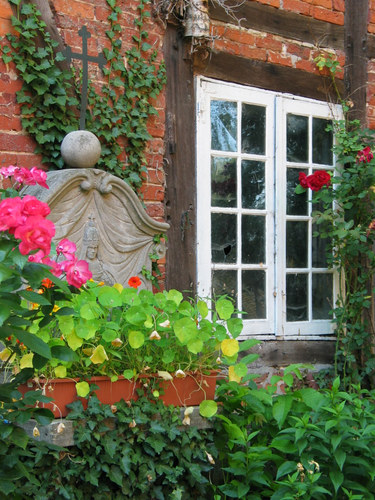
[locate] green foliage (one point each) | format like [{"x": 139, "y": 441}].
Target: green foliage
[
  {"x": 138, "y": 450},
  {"x": 303, "y": 444},
  {"x": 117, "y": 114}
]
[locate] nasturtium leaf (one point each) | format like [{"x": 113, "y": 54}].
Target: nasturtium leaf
[
  {"x": 74, "y": 342},
  {"x": 202, "y": 308},
  {"x": 60, "y": 371},
  {"x": 82, "y": 389},
  {"x": 185, "y": 329},
  {"x": 148, "y": 323},
  {"x": 195, "y": 345},
  {"x": 130, "y": 296},
  {"x": 90, "y": 310},
  {"x": 27, "y": 360},
  {"x": 208, "y": 408},
  {"x": 99, "y": 355},
  {"x": 136, "y": 315},
  {"x": 168, "y": 356},
  {"x": 128, "y": 374},
  {"x": 118, "y": 287},
  {"x": 86, "y": 329},
  {"x": 248, "y": 344},
  {"x": 220, "y": 332},
  {"x": 175, "y": 296},
  {"x": 240, "y": 369},
  {"x": 186, "y": 309},
  {"x": 6, "y": 355},
  {"x": 229, "y": 347},
  {"x": 109, "y": 335},
  {"x": 136, "y": 339},
  {"x": 224, "y": 308},
  {"x": 235, "y": 326},
  {"x": 233, "y": 377},
  {"x": 110, "y": 297},
  {"x": 66, "y": 324},
  {"x": 156, "y": 394}
]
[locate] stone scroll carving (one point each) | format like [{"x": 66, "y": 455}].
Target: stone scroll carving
[{"x": 105, "y": 219}]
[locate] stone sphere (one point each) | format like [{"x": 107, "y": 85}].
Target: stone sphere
[{"x": 80, "y": 149}]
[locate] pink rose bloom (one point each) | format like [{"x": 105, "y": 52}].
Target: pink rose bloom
[
  {"x": 56, "y": 269},
  {"x": 36, "y": 233},
  {"x": 36, "y": 257},
  {"x": 303, "y": 180},
  {"x": 78, "y": 273},
  {"x": 11, "y": 215},
  {"x": 67, "y": 248},
  {"x": 22, "y": 176},
  {"x": 32, "y": 206},
  {"x": 39, "y": 176},
  {"x": 8, "y": 171}
]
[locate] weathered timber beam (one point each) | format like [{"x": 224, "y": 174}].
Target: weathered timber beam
[
  {"x": 264, "y": 75},
  {"x": 265, "y": 18}
]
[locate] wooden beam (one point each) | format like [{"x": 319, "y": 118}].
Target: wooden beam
[
  {"x": 283, "y": 23},
  {"x": 267, "y": 76},
  {"x": 285, "y": 352},
  {"x": 180, "y": 164},
  {"x": 356, "y": 14}
]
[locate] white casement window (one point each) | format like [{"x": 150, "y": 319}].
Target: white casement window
[{"x": 254, "y": 234}]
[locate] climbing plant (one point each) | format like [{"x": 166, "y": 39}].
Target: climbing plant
[{"x": 118, "y": 113}]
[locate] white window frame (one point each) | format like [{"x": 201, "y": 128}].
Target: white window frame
[{"x": 277, "y": 106}]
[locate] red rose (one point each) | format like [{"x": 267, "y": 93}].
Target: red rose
[
  {"x": 303, "y": 180},
  {"x": 365, "y": 155},
  {"x": 134, "y": 282},
  {"x": 318, "y": 179}
]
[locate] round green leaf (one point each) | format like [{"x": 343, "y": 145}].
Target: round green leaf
[
  {"x": 136, "y": 315},
  {"x": 136, "y": 339},
  {"x": 195, "y": 346},
  {"x": 175, "y": 296},
  {"x": 208, "y": 408},
  {"x": 109, "y": 297},
  {"x": 202, "y": 308},
  {"x": 82, "y": 389},
  {"x": 224, "y": 308},
  {"x": 185, "y": 330}
]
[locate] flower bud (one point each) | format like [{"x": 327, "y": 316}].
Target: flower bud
[
  {"x": 154, "y": 335},
  {"x": 180, "y": 374},
  {"x": 36, "y": 432},
  {"x": 117, "y": 342},
  {"x": 165, "y": 324}
]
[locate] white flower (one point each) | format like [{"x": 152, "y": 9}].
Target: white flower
[
  {"x": 165, "y": 324},
  {"x": 36, "y": 432},
  {"x": 154, "y": 335},
  {"x": 180, "y": 374},
  {"x": 60, "y": 428}
]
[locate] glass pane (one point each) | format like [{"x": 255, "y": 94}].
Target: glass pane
[
  {"x": 253, "y": 184},
  {"x": 297, "y": 138},
  {"x": 253, "y": 239},
  {"x": 322, "y": 295},
  {"x": 223, "y": 238},
  {"x": 322, "y": 142},
  {"x": 296, "y": 204},
  {"x": 253, "y": 131},
  {"x": 253, "y": 294},
  {"x": 224, "y": 125},
  {"x": 296, "y": 243},
  {"x": 225, "y": 283},
  {"x": 296, "y": 297},
  {"x": 319, "y": 250},
  {"x": 223, "y": 182}
]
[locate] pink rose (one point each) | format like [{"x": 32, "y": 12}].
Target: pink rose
[
  {"x": 11, "y": 215},
  {"x": 36, "y": 233},
  {"x": 56, "y": 269},
  {"x": 39, "y": 176},
  {"x": 67, "y": 248},
  {"x": 77, "y": 273},
  {"x": 8, "y": 171},
  {"x": 36, "y": 257},
  {"x": 32, "y": 206},
  {"x": 23, "y": 176}
]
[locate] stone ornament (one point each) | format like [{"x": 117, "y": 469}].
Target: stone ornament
[
  {"x": 81, "y": 149},
  {"x": 105, "y": 219}
]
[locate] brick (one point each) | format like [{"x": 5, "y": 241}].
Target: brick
[
  {"x": 298, "y": 7},
  {"x": 327, "y": 4},
  {"x": 155, "y": 210},
  {"x": 276, "y": 58},
  {"x": 339, "y": 5},
  {"x": 10, "y": 123},
  {"x": 6, "y": 27},
  {"x": 268, "y": 42},
  {"x": 251, "y": 53},
  {"x": 152, "y": 193},
  {"x": 306, "y": 66},
  {"x": 16, "y": 142},
  {"x": 102, "y": 13},
  {"x": 5, "y": 9},
  {"x": 75, "y": 9},
  {"x": 329, "y": 16},
  {"x": 273, "y": 3},
  {"x": 240, "y": 36},
  {"x": 154, "y": 176}
]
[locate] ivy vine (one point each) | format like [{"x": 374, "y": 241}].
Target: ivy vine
[{"x": 50, "y": 95}]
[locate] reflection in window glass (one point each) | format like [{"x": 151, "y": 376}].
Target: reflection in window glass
[
  {"x": 296, "y": 204},
  {"x": 253, "y": 184},
  {"x": 322, "y": 142},
  {"x": 223, "y": 238},
  {"x": 253, "y": 239},
  {"x": 225, "y": 283},
  {"x": 224, "y": 125},
  {"x": 296, "y": 297},
  {"x": 253, "y": 131},
  {"x": 297, "y": 138},
  {"x": 223, "y": 182},
  {"x": 253, "y": 294},
  {"x": 322, "y": 295},
  {"x": 319, "y": 250},
  {"x": 296, "y": 243}
]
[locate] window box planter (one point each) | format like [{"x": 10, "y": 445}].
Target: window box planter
[{"x": 188, "y": 391}]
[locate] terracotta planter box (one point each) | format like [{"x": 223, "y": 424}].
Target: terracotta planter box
[{"x": 188, "y": 391}]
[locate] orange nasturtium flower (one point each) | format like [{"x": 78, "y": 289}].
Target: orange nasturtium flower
[{"x": 134, "y": 282}]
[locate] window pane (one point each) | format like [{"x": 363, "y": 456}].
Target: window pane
[
  {"x": 319, "y": 250},
  {"x": 253, "y": 294},
  {"x": 297, "y": 138},
  {"x": 322, "y": 142},
  {"x": 296, "y": 204},
  {"x": 224, "y": 125},
  {"x": 322, "y": 295},
  {"x": 296, "y": 297},
  {"x": 253, "y": 239},
  {"x": 223, "y": 182},
  {"x": 253, "y": 131},
  {"x": 223, "y": 238},
  {"x": 253, "y": 184},
  {"x": 224, "y": 283},
  {"x": 296, "y": 243}
]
